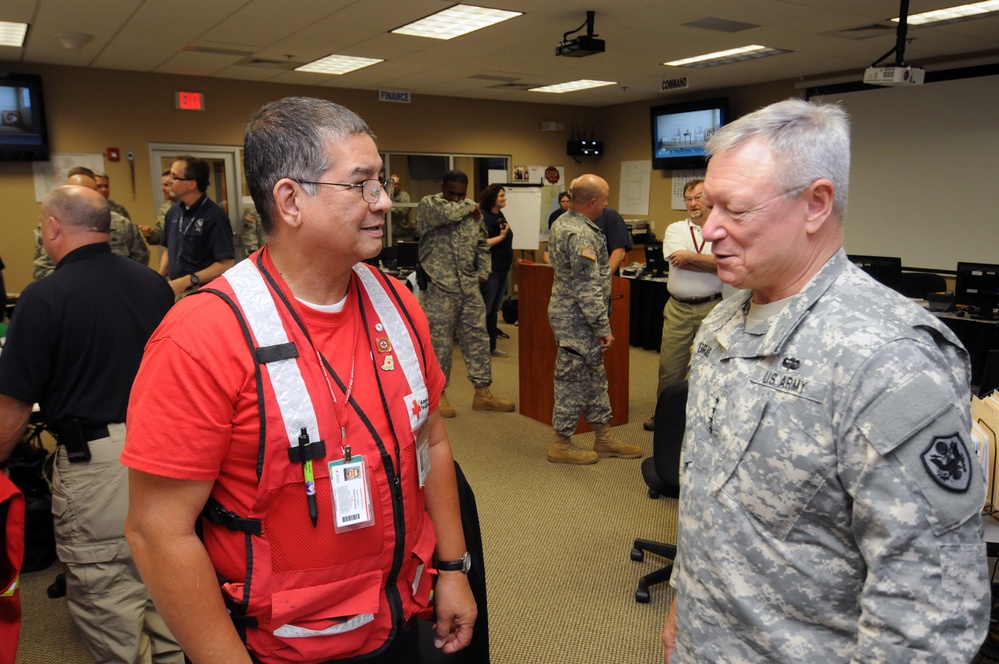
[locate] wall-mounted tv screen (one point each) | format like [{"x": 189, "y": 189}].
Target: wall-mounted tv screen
[
  {"x": 680, "y": 131},
  {"x": 23, "y": 133}
]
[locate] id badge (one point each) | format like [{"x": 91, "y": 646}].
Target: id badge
[
  {"x": 351, "y": 494},
  {"x": 422, "y": 437}
]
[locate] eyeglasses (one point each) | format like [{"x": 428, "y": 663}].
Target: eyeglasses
[
  {"x": 698, "y": 197},
  {"x": 370, "y": 189},
  {"x": 179, "y": 179}
]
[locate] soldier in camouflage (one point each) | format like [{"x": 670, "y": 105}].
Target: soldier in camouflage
[
  {"x": 154, "y": 234},
  {"x": 104, "y": 189},
  {"x": 402, "y": 226},
  {"x": 454, "y": 255},
  {"x": 253, "y": 231},
  {"x": 125, "y": 237},
  {"x": 579, "y": 313},
  {"x": 829, "y": 508}
]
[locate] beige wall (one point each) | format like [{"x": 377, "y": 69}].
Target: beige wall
[{"x": 89, "y": 110}]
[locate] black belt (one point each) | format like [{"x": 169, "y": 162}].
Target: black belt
[
  {"x": 697, "y": 300},
  {"x": 93, "y": 431}
]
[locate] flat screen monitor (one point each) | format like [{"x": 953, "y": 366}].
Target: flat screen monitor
[
  {"x": 680, "y": 132},
  {"x": 23, "y": 132},
  {"x": 977, "y": 287},
  {"x": 407, "y": 254},
  {"x": 655, "y": 262},
  {"x": 886, "y": 270}
]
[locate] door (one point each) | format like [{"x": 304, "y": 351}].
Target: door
[{"x": 224, "y": 183}]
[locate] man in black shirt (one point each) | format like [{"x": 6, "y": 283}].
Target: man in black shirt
[
  {"x": 197, "y": 233},
  {"x": 74, "y": 346}
]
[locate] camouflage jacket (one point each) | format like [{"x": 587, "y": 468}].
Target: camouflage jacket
[
  {"x": 126, "y": 240},
  {"x": 252, "y": 236},
  {"x": 580, "y": 302},
  {"x": 829, "y": 508},
  {"x": 119, "y": 208},
  {"x": 453, "y": 248},
  {"x": 157, "y": 235}
]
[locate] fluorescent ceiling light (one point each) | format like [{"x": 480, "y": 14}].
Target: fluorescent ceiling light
[
  {"x": 573, "y": 86},
  {"x": 337, "y": 64},
  {"x": 12, "y": 34},
  {"x": 967, "y": 12},
  {"x": 455, "y": 22},
  {"x": 726, "y": 57}
]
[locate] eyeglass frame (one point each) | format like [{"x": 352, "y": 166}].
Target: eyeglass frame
[{"x": 387, "y": 186}]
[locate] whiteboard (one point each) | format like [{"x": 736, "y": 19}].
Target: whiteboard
[
  {"x": 924, "y": 182},
  {"x": 523, "y": 212}
]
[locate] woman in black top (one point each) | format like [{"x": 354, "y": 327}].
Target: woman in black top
[
  {"x": 563, "y": 205},
  {"x": 492, "y": 200}
]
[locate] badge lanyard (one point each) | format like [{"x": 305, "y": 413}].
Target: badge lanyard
[{"x": 693, "y": 238}]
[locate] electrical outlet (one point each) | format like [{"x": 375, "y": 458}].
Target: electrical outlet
[{"x": 130, "y": 155}]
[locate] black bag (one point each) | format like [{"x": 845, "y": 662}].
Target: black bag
[
  {"x": 510, "y": 310},
  {"x": 25, "y": 466}
]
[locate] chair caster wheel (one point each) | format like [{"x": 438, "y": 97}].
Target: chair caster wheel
[
  {"x": 642, "y": 596},
  {"x": 637, "y": 555},
  {"x": 653, "y": 494}
]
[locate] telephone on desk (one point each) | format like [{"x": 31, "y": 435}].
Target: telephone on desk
[{"x": 633, "y": 271}]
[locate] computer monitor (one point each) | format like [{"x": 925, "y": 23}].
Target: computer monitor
[
  {"x": 977, "y": 287},
  {"x": 655, "y": 262},
  {"x": 407, "y": 254},
  {"x": 886, "y": 270}
]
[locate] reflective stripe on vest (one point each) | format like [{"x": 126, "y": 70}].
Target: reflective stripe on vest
[{"x": 286, "y": 378}]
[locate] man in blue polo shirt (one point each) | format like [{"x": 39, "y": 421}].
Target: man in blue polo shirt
[{"x": 197, "y": 233}]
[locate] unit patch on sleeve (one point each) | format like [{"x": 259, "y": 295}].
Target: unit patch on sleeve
[{"x": 947, "y": 461}]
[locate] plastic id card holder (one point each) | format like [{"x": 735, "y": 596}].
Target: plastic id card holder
[{"x": 351, "y": 494}]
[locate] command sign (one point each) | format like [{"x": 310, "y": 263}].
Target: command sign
[{"x": 189, "y": 101}]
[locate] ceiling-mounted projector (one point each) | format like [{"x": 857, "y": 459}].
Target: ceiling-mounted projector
[
  {"x": 894, "y": 76},
  {"x": 580, "y": 47},
  {"x": 901, "y": 73},
  {"x": 583, "y": 45}
]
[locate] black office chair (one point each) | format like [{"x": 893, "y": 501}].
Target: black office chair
[
  {"x": 661, "y": 472},
  {"x": 918, "y": 284}
]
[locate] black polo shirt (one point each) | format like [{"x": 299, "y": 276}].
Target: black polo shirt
[
  {"x": 196, "y": 236},
  {"x": 76, "y": 337}
]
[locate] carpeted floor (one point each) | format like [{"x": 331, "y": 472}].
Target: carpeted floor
[{"x": 557, "y": 539}]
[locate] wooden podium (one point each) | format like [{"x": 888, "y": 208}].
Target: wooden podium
[{"x": 537, "y": 346}]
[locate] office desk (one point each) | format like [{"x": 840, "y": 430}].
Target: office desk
[{"x": 648, "y": 297}]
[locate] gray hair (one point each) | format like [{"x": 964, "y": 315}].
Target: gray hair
[
  {"x": 808, "y": 141},
  {"x": 288, "y": 138}
]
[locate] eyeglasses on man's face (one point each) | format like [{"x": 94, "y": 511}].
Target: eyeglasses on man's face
[{"x": 370, "y": 189}]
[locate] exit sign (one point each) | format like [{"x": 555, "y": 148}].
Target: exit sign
[{"x": 189, "y": 101}]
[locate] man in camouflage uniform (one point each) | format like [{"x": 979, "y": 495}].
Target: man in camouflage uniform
[
  {"x": 829, "y": 509},
  {"x": 402, "y": 227},
  {"x": 104, "y": 189},
  {"x": 579, "y": 312},
  {"x": 125, "y": 237},
  {"x": 454, "y": 255},
  {"x": 253, "y": 231},
  {"x": 154, "y": 234}
]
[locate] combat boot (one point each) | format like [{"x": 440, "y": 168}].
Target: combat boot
[
  {"x": 445, "y": 408},
  {"x": 562, "y": 450},
  {"x": 484, "y": 399},
  {"x": 607, "y": 445}
]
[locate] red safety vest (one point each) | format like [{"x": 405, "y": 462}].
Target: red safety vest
[
  {"x": 310, "y": 594},
  {"x": 12, "y": 515}
]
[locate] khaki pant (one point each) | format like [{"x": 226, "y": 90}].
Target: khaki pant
[
  {"x": 680, "y": 325},
  {"x": 107, "y": 599}
]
